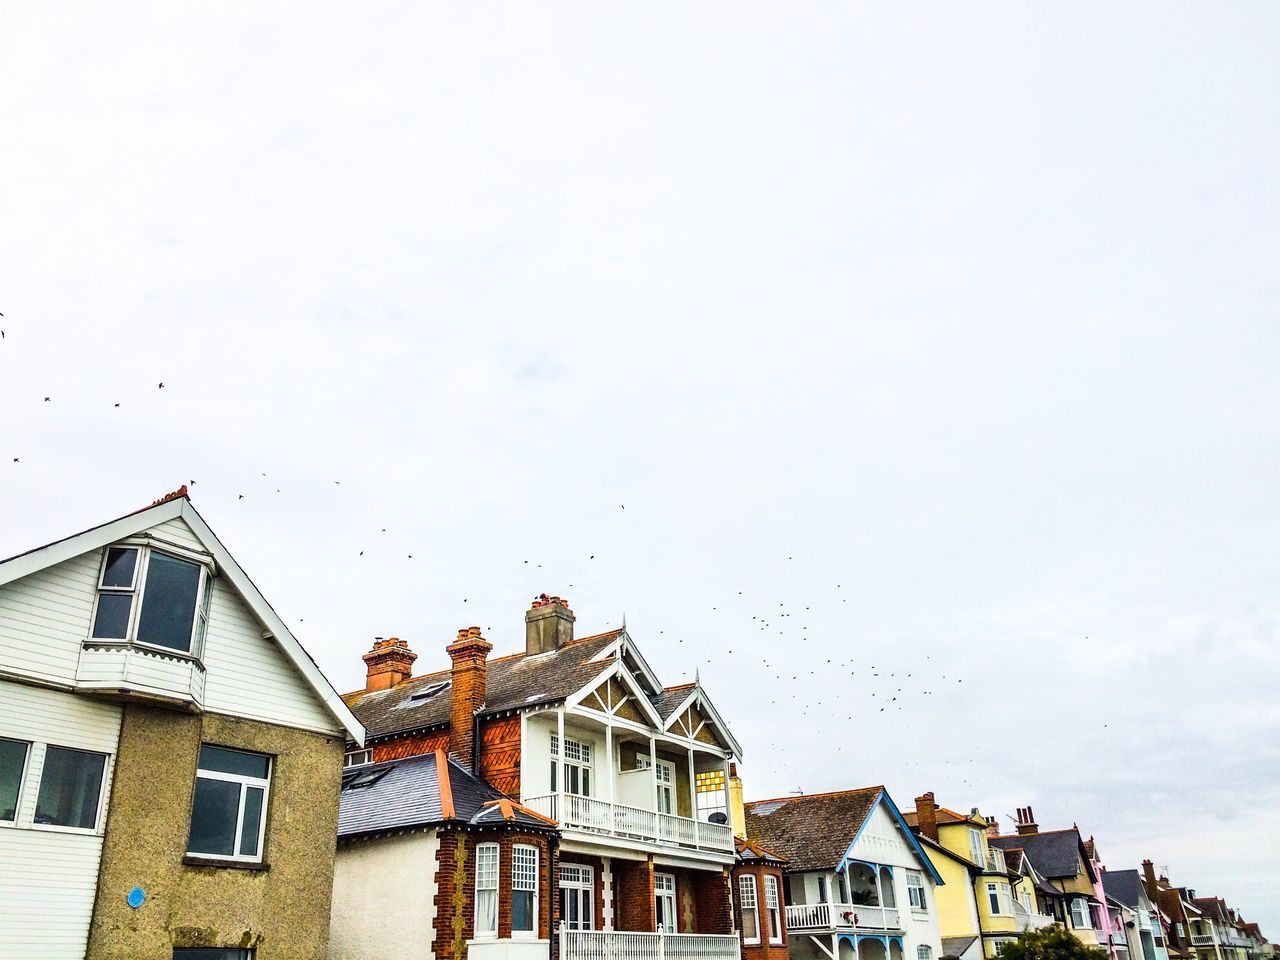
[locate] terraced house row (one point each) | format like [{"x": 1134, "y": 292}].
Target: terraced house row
[{"x": 178, "y": 781}]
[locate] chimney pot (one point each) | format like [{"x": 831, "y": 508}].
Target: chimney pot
[
  {"x": 927, "y": 816},
  {"x": 389, "y": 662},
  {"x": 1027, "y": 822},
  {"x": 548, "y": 625}
]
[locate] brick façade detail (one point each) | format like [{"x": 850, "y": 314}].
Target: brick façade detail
[
  {"x": 456, "y": 881},
  {"x": 764, "y": 950},
  {"x": 633, "y": 903},
  {"x": 712, "y": 897},
  {"x": 411, "y": 746}
]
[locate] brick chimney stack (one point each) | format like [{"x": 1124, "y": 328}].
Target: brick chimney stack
[
  {"x": 1027, "y": 825},
  {"x": 1149, "y": 874},
  {"x": 548, "y": 625},
  {"x": 466, "y": 691},
  {"x": 388, "y": 663},
  {"x": 993, "y": 826},
  {"x": 927, "y": 816}
]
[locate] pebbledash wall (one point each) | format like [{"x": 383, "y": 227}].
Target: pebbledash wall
[{"x": 280, "y": 907}]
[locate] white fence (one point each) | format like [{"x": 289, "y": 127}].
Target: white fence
[
  {"x": 621, "y": 945},
  {"x": 620, "y": 820}
]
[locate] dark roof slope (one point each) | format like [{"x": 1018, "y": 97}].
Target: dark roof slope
[
  {"x": 751, "y": 852},
  {"x": 413, "y": 793},
  {"x": 954, "y": 947},
  {"x": 813, "y": 831},
  {"x": 670, "y": 698},
  {"x": 1124, "y": 885},
  {"x": 1055, "y": 853},
  {"x": 511, "y": 682}
]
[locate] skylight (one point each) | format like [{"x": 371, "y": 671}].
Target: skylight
[{"x": 424, "y": 695}]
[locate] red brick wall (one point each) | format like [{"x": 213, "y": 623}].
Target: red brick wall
[
  {"x": 711, "y": 894},
  {"x": 633, "y": 904},
  {"x": 411, "y": 746},
  {"x": 455, "y": 887},
  {"x": 763, "y": 950},
  {"x": 500, "y": 754}
]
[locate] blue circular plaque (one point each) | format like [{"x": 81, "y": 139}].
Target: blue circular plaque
[{"x": 137, "y": 897}]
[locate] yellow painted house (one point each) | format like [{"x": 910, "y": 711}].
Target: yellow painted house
[{"x": 978, "y": 906}]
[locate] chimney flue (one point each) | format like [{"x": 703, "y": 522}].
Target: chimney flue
[
  {"x": 1027, "y": 822},
  {"x": 927, "y": 816},
  {"x": 388, "y": 663},
  {"x": 467, "y": 680},
  {"x": 548, "y": 625}
]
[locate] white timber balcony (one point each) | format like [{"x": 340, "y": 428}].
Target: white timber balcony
[
  {"x": 1202, "y": 940},
  {"x": 841, "y": 916},
  {"x": 620, "y": 945},
  {"x": 995, "y": 861},
  {"x": 633, "y": 823},
  {"x": 1028, "y": 920},
  {"x": 131, "y": 671}
]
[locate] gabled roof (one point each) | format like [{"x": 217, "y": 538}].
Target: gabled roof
[
  {"x": 751, "y": 852},
  {"x": 519, "y": 681},
  {"x": 953, "y": 948},
  {"x": 1057, "y": 854},
  {"x": 423, "y": 791},
  {"x": 944, "y": 816},
  {"x": 934, "y": 847},
  {"x": 817, "y": 831},
  {"x": 511, "y": 682},
  {"x": 169, "y": 507},
  {"x": 1124, "y": 885}
]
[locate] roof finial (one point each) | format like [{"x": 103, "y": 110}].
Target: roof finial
[{"x": 697, "y": 677}]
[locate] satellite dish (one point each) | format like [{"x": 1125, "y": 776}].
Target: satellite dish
[{"x": 718, "y": 817}]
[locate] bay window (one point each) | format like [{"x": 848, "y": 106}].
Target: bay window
[
  {"x": 151, "y": 597},
  {"x": 487, "y": 890},
  {"x": 571, "y": 773},
  {"x": 750, "y": 909},
  {"x": 229, "y": 813},
  {"x": 773, "y": 907},
  {"x": 1080, "y": 914},
  {"x": 524, "y": 890}
]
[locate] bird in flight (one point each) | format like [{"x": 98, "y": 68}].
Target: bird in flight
[{"x": 161, "y": 386}]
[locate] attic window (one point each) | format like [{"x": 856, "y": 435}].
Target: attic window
[
  {"x": 428, "y": 693},
  {"x": 356, "y": 780},
  {"x": 152, "y": 598}
]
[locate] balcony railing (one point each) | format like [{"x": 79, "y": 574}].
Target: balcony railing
[
  {"x": 841, "y": 916},
  {"x": 995, "y": 861},
  {"x": 635, "y": 823},
  {"x": 619, "y": 945},
  {"x": 1027, "y": 920},
  {"x": 1202, "y": 940}
]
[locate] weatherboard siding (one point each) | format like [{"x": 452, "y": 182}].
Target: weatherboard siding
[
  {"x": 49, "y": 875},
  {"x": 45, "y": 617},
  {"x": 248, "y": 675},
  {"x": 177, "y": 532}
]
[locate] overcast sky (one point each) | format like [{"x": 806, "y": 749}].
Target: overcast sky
[{"x": 929, "y": 347}]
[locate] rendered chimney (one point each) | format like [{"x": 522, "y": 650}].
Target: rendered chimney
[
  {"x": 548, "y": 625},
  {"x": 737, "y": 810},
  {"x": 1027, "y": 825},
  {"x": 927, "y": 816},
  {"x": 388, "y": 663},
  {"x": 466, "y": 692}
]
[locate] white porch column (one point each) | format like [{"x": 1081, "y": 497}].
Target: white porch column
[
  {"x": 606, "y": 893},
  {"x": 653, "y": 770},
  {"x": 559, "y": 762},
  {"x": 693, "y": 801},
  {"x": 610, "y": 777},
  {"x": 524, "y": 750}
]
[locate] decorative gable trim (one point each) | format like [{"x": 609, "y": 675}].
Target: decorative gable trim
[
  {"x": 698, "y": 698},
  {"x": 910, "y": 837},
  {"x": 619, "y": 670}
]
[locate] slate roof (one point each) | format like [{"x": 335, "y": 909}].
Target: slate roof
[
  {"x": 812, "y": 831},
  {"x": 1055, "y": 853},
  {"x": 412, "y": 793},
  {"x": 944, "y": 816},
  {"x": 955, "y": 947},
  {"x": 1124, "y": 885},
  {"x": 670, "y": 698},
  {"x": 513, "y": 681},
  {"x": 750, "y": 852}
]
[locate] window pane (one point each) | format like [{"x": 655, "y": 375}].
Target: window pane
[
  {"x": 213, "y": 817},
  {"x": 212, "y": 953},
  {"x": 70, "y": 785},
  {"x": 252, "y": 821},
  {"x": 522, "y": 910},
  {"x": 121, "y": 562},
  {"x": 13, "y": 755},
  {"x": 169, "y": 602},
  {"x": 112, "y": 621},
  {"x": 222, "y": 760}
]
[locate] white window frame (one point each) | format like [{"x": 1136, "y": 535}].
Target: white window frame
[
  {"x": 1088, "y": 920},
  {"x": 924, "y": 952},
  {"x": 975, "y": 846},
  {"x": 666, "y": 788},
  {"x": 37, "y": 780},
  {"x": 664, "y": 888},
  {"x": 519, "y": 879},
  {"x": 357, "y": 758},
  {"x": 999, "y": 900},
  {"x": 137, "y": 590},
  {"x": 750, "y": 905},
  {"x": 245, "y": 782},
  {"x": 582, "y": 883},
  {"x": 915, "y": 882},
  {"x": 28, "y": 749},
  {"x": 773, "y": 908},
  {"x": 483, "y": 850},
  {"x": 562, "y": 760}
]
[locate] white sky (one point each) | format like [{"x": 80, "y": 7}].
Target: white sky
[{"x": 947, "y": 331}]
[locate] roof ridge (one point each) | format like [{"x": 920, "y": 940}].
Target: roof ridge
[{"x": 810, "y": 796}]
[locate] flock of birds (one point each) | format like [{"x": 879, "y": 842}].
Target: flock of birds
[{"x": 834, "y": 697}]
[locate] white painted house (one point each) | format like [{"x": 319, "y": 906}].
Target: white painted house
[{"x": 148, "y": 609}]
